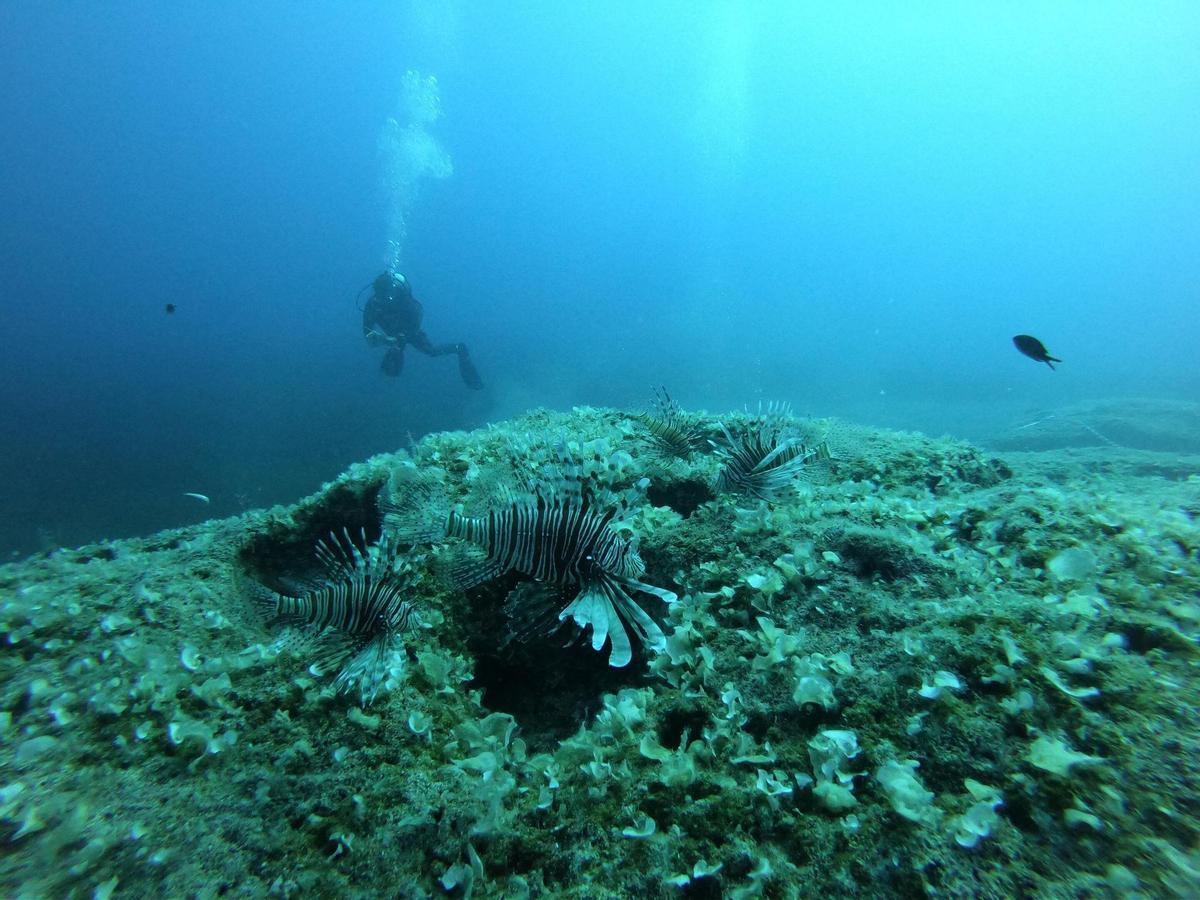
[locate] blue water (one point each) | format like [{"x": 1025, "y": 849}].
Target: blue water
[{"x": 851, "y": 211}]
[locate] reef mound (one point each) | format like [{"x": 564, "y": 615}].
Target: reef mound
[{"x": 931, "y": 670}]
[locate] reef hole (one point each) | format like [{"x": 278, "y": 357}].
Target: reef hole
[
  {"x": 550, "y": 683},
  {"x": 682, "y": 496},
  {"x": 284, "y": 553}
]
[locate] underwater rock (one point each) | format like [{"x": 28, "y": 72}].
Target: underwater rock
[{"x": 157, "y": 741}]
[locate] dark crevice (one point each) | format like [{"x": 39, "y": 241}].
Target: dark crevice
[
  {"x": 550, "y": 683},
  {"x": 284, "y": 553},
  {"x": 680, "y": 723},
  {"x": 682, "y": 496}
]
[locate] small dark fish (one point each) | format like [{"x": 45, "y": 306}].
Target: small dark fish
[
  {"x": 1034, "y": 349},
  {"x": 170, "y": 308}
]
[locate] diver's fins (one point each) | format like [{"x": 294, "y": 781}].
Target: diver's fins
[{"x": 470, "y": 375}]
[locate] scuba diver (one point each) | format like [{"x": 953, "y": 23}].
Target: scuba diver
[{"x": 392, "y": 318}]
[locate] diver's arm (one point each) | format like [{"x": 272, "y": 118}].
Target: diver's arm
[
  {"x": 372, "y": 330},
  {"x": 377, "y": 338}
]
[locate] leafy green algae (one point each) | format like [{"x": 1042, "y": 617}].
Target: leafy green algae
[{"x": 156, "y": 743}]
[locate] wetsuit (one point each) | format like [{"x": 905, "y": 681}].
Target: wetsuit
[{"x": 392, "y": 317}]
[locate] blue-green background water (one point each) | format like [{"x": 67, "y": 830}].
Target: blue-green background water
[{"x": 852, "y": 209}]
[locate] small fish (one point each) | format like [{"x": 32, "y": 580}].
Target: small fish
[
  {"x": 170, "y": 308},
  {"x": 1034, "y": 349},
  {"x": 201, "y": 497}
]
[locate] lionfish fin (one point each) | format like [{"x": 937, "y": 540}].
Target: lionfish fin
[
  {"x": 263, "y": 598},
  {"x": 414, "y": 505},
  {"x": 340, "y": 556},
  {"x": 648, "y": 633},
  {"x": 295, "y": 639},
  {"x": 465, "y": 572},
  {"x": 532, "y": 609},
  {"x": 331, "y": 649},
  {"x": 593, "y": 608},
  {"x": 605, "y": 607},
  {"x": 367, "y": 666}
]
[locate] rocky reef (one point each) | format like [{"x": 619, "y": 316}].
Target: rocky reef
[{"x": 926, "y": 670}]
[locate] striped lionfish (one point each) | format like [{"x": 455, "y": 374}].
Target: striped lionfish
[
  {"x": 564, "y": 538},
  {"x": 671, "y": 433},
  {"x": 765, "y": 460},
  {"x": 353, "y": 615}
]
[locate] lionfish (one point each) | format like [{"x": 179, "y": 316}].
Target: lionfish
[
  {"x": 766, "y": 459},
  {"x": 670, "y": 432},
  {"x": 353, "y": 615},
  {"x": 564, "y": 537}
]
